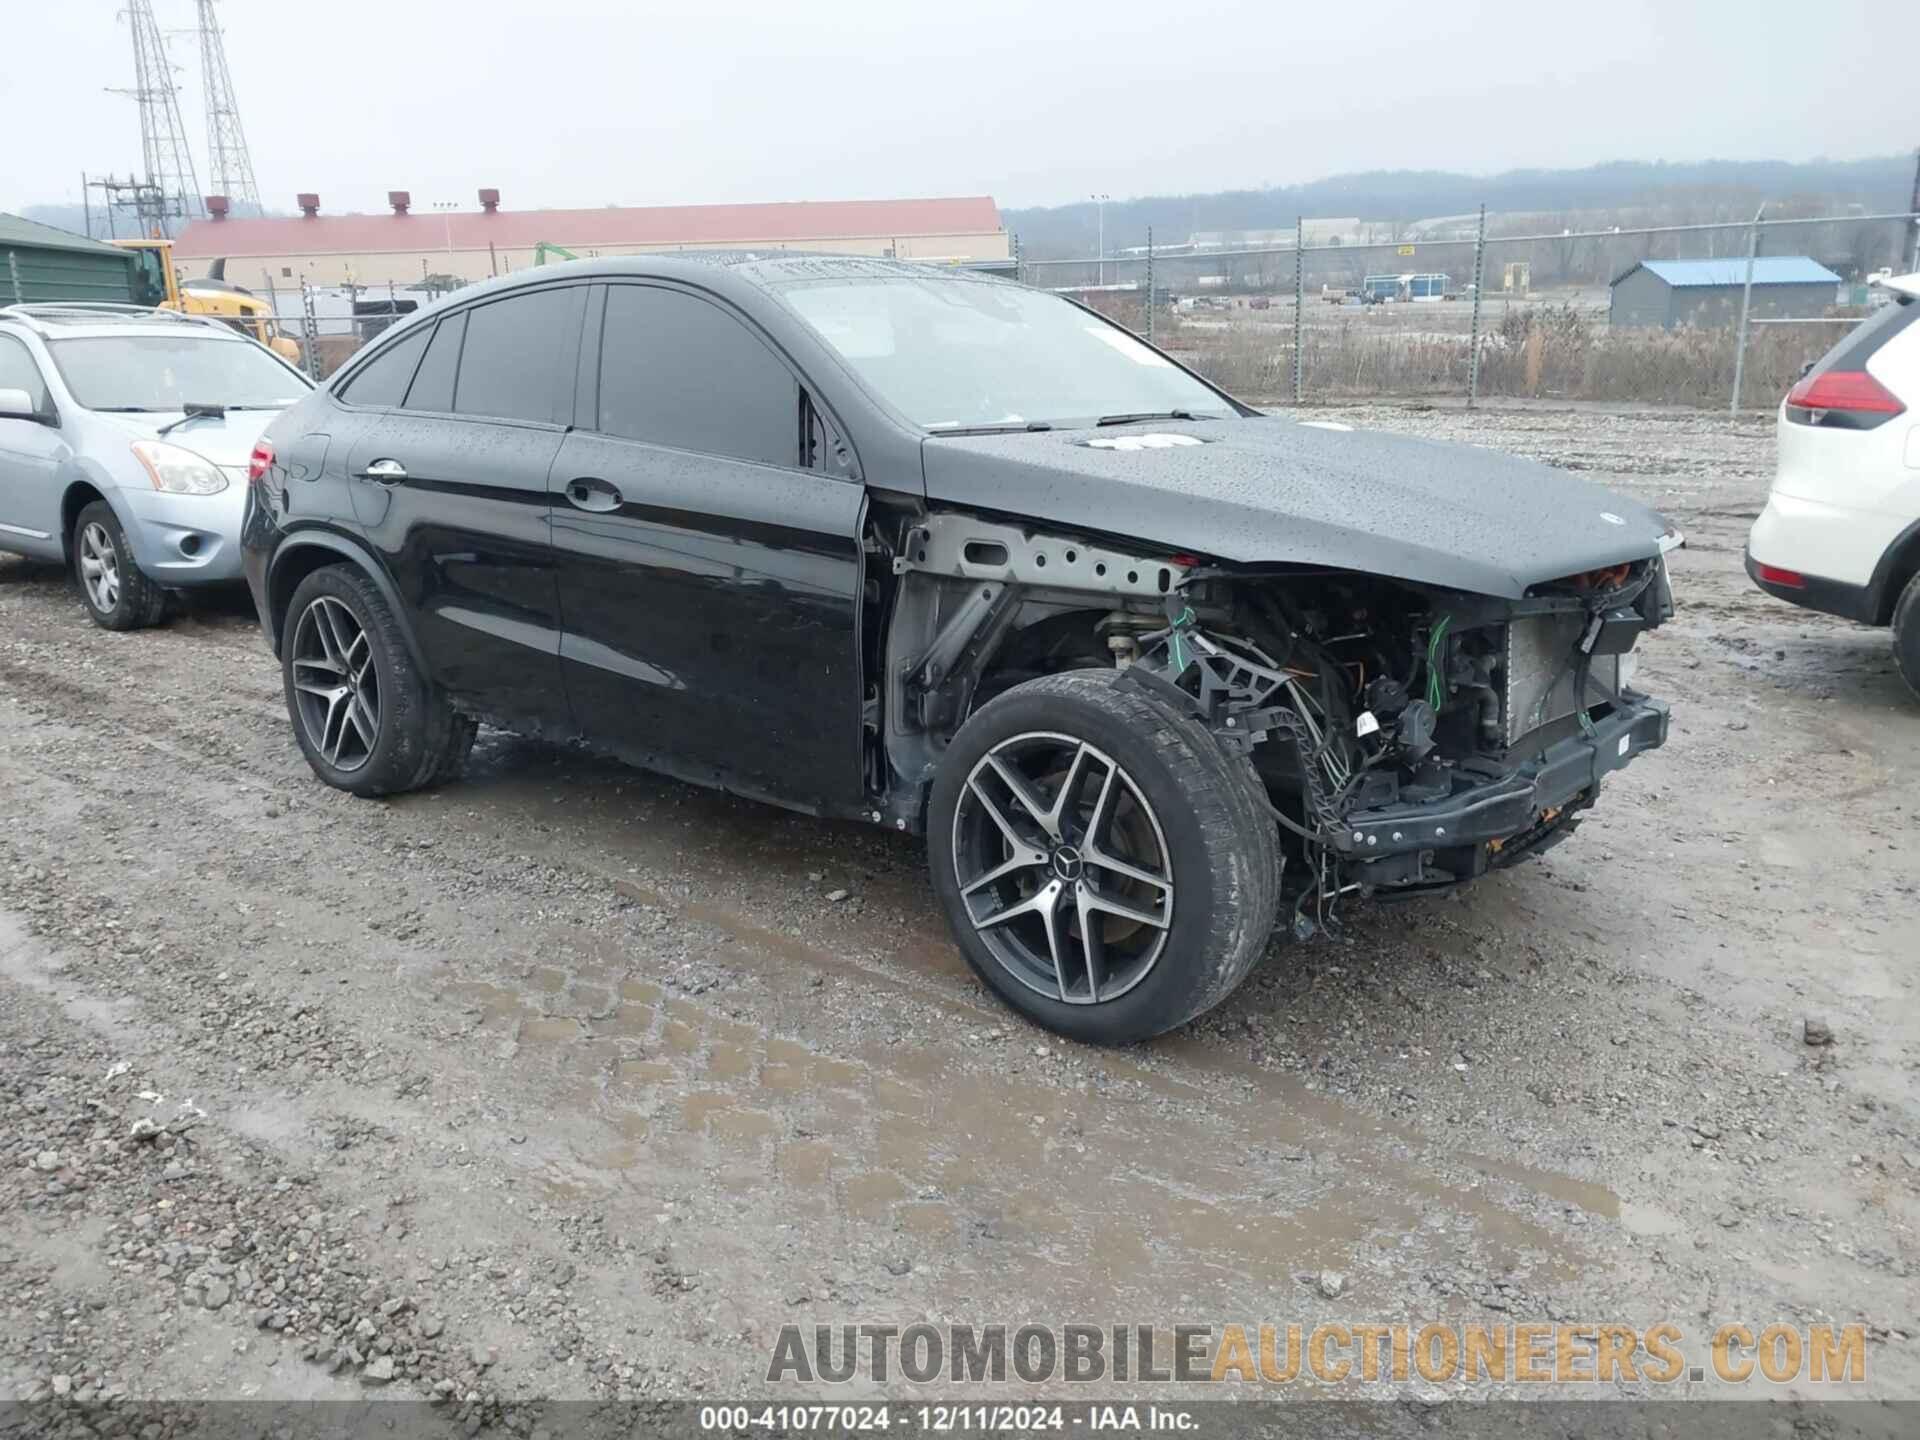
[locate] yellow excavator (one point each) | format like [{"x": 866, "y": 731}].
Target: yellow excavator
[{"x": 157, "y": 286}]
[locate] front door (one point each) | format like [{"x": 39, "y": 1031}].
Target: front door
[
  {"x": 451, "y": 488},
  {"x": 31, "y": 452},
  {"x": 709, "y": 582}
]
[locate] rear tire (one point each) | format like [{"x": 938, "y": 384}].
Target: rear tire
[
  {"x": 367, "y": 719},
  {"x": 118, "y": 594},
  {"x": 1161, "y": 854},
  {"x": 1906, "y": 635}
]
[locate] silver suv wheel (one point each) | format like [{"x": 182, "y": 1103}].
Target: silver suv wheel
[{"x": 100, "y": 566}]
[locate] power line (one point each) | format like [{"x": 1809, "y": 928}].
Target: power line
[{"x": 228, "y": 161}]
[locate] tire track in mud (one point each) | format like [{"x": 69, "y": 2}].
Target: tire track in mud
[{"x": 643, "y": 1094}]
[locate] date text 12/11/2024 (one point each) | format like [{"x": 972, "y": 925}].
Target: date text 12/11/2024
[{"x": 946, "y": 1419}]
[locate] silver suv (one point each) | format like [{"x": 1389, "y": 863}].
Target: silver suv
[{"x": 125, "y": 437}]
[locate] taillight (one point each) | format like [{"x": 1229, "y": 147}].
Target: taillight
[
  {"x": 260, "y": 461},
  {"x": 1845, "y": 392},
  {"x": 1774, "y": 575}
]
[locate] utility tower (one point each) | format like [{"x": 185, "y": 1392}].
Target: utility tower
[
  {"x": 163, "y": 139},
  {"x": 229, "y": 164}
]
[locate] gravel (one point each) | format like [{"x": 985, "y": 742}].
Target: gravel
[{"x": 562, "y": 1083}]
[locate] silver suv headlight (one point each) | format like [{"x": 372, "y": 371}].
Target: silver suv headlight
[{"x": 179, "y": 471}]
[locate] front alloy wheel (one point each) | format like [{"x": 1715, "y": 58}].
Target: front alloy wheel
[
  {"x": 118, "y": 594},
  {"x": 336, "y": 684},
  {"x": 99, "y": 567},
  {"x": 1108, "y": 869},
  {"x": 1063, "y": 868}
]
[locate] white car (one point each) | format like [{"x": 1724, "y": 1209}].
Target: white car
[{"x": 1841, "y": 530}]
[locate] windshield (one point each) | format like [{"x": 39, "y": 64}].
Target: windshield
[
  {"x": 954, "y": 354},
  {"x": 166, "y": 372}
]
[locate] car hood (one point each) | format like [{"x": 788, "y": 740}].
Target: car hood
[
  {"x": 1271, "y": 489},
  {"x": 227, "y": 441}
]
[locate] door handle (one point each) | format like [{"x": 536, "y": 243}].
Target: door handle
[
  {"x": 589, "y": 492},
  {"x": 384, "y": 472}
]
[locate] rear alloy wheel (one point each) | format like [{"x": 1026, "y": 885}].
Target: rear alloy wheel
[
  {"x": 1106, "y": 866},
  {"x": 336, "y": 686},
  {"x": 366, "y": 718},
  {"x": 118, "y": 594}
]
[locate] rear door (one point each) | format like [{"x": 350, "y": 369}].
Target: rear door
[
  {"x": 451, "y": 488},
  {"x": 709, "y": 577},
  {"x": 31, "y": 452}
]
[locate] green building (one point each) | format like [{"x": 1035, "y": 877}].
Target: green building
[{"x": 40, "y": 263}]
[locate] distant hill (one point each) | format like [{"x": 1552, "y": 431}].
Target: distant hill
[
  {"x": 63, "y": 217},
  {"x": 1651, "y": 192},
  {"x": 1654, "y": 191}
]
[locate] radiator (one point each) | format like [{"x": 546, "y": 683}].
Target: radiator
[{"x": 1541, "y": 674}]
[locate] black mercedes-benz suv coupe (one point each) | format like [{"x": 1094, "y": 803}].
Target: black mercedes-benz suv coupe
[{"x": 1155, "y": 674}]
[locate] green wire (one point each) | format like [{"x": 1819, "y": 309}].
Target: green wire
[
  {"x": 1178, "y": 651},
  {"x": 1435, "y": 690}
]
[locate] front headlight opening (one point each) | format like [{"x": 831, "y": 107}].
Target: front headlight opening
[{"x": 178, "y": 471}]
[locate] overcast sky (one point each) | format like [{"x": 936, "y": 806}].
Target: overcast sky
[{"x": 594, "y": 102}]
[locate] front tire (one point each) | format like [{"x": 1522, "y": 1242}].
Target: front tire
[
  {"x": 1106, "y": 866},
  {"x": 1906, "y": 635},
  {"x": 118, "y": 594},
  {"x": 366, "y": 718}
]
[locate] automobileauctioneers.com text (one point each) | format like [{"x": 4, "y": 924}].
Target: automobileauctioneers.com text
[{"x": 1542, "y": 1354}]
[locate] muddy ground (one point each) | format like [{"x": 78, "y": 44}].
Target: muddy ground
[{"x": 571, "y": 1081}]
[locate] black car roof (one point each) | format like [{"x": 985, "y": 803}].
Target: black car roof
[{"x": 760, "y": 269}]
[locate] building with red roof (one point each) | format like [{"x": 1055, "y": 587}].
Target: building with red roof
[{"x": 404, "y": 245}]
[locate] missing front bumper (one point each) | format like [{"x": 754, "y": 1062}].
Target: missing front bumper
[{"x": 1503, "y": 819}]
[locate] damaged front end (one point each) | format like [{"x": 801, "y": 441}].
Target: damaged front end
[
  {"x": 1412, "y": 738},
  {"x": 1409, "y": 737}
]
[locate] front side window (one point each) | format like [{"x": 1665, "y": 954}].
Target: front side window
[
  {"x": 511, "y": 365},
  {"x": 19, "y": 372},
  {"x": 160, "y": 373},
  {"x": 679, "y": 371},
  {"x": 953, "y": 353}
]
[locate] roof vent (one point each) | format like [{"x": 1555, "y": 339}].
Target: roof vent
[
  {"x": 490, "y": 201},
  {"x": 217, "y": 206},
  {"x": 309, "y": 204},
  {"x": 399, "y": 200}
]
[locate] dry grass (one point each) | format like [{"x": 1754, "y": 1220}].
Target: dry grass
[{"x": 1546, "y": 352}]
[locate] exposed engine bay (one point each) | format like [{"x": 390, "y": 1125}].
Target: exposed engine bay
[{"x": 1408, "y": 737}]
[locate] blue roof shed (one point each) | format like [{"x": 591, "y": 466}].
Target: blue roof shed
[{"x": 1706, "y": 293}]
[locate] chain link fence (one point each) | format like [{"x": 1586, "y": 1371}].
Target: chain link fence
[
  {"x": 1484, "y": 315},
  {"x": 319, "y": 327}
]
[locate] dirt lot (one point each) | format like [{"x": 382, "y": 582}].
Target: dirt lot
[{"x": 571, "y": 1081}]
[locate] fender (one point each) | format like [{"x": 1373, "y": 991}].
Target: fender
[
  {"x": 79, "y": 470},
  {"x": 1896, "y": 564},
  {"x": 348, "y": 549}
]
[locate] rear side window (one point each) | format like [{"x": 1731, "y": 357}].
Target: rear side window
[
  {"x": 677, "y": 370},
  {"x": 1858, "y": 345},
  {"x": 18, "y": 372},
  {"x": 433, "y": 382},
  {"x": 383, "y": 380},
  {"x": 511, "y": 366}
]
